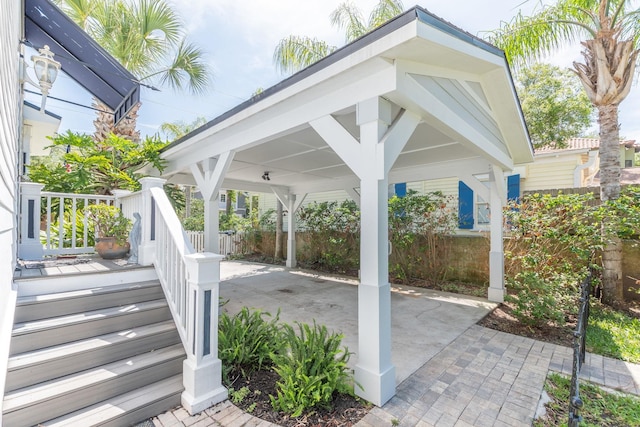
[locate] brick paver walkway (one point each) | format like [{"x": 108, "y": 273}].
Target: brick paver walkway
[{"x": 483, "y": 378}]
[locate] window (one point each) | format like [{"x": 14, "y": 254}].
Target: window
[{"x": 223, "y": 198}]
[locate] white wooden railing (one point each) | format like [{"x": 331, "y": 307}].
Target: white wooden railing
[
  {"x": 190, "y": 282},
  {"x": 229, "y": 244},
  {"x": 55, "y": 223}
]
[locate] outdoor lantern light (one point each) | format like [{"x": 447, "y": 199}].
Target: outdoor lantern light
[
  {"x": 266, "y": 176},
  {"x": 46, "y": 69}
]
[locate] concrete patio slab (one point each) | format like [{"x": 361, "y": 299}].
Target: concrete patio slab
[{"x": 423, "y": 321}]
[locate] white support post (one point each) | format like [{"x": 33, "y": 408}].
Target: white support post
[
  {"x": 209, "y": 180},
  {"x": 374, "y": 370},
  {"x": 202, "y": 370},
  {"x": 382, "y": 139},
  {"x": 497, "y": 198},
  {"x": 30, "y": 247},
  {"x": 291, "y": 231},
  {"x": 147, "y": 248}
]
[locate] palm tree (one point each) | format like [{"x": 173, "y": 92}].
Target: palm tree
[
  {"x": 146, "y": 37},
  {"x": 609, "y": 31},
  {"x": 294, "y": 53}
]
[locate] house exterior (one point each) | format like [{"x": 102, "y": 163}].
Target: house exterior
[{"x": 415, "y": 100}]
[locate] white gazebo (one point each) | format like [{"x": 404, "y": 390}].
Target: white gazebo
[{"x": 416, "y": 99}]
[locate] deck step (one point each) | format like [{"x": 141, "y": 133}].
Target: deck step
[
  {"x": 35, "y": 404},
  {"x": 28, "y": 336},
  {"x": 126, "y": 409},
  {"x": 41, "y": 365},
  {"x": 29, "y": 308}
]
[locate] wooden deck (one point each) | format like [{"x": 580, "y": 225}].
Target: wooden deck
[{"x": 57, "y": 266}]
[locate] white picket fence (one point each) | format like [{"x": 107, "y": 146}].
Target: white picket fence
[{"x": 229, "y": 243}]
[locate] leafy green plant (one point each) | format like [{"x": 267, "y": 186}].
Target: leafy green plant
[
  {"x": 312, "y": 367},
  {"x": 79, "y": 164},
  {"x": 246, "y": 341},
  {"x": 420, "y": 229},
  {"x": 108, "y": 221},
  {"x": 332, "y": 235},
  {"x": 553, "y": 240}
]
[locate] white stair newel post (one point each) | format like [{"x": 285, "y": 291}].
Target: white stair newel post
[
  {"x": 147, "y": 251},
  {"x": 202, "y": 370},
  {"x": 497, "y": 200},
  {"x": 30, "y": 247}
]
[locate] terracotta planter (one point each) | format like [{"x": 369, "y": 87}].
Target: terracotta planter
[{"x": 107, "y": 248}]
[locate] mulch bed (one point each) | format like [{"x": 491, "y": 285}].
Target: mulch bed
[{"x": 346, "y": 410}]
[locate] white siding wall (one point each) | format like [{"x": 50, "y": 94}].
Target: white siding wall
[
  {"x": 549, "y": 173},
  {"x": 10, "y": 32}
]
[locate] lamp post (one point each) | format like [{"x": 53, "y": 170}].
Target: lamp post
[{"x": 46, "y": 69}]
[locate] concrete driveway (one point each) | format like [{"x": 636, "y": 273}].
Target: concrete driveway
[{"x": 423, "y": 321}]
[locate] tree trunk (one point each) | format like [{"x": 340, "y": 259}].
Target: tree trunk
[
  {"x": 610, "y": 190},
  {"x": 228, "y": 201},
  {"x": 104, "y": 123},
  {"x": 279, "y": 234}
]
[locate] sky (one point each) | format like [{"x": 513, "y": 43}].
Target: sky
[{"x": 239, "y": 37}]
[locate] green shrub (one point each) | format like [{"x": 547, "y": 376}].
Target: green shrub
[
  {"x": 552, "y": 242},
  {"x": 246, "y": 341},
  {"x": 312, "y": 367}
]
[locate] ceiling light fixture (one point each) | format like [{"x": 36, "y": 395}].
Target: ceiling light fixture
[{"x": 265, "y": 176}]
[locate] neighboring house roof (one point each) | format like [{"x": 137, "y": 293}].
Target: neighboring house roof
[
  {"x": 84, "y": 60},
  {"x": 628, "y": 176},
  {"x": 584, "y": 144},
  {"x": 46, "y": 112}
]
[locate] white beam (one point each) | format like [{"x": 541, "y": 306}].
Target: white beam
[
  {"x": 209, "y": 176},
  {"x": 340, "y": 141},
  {"x": 476, "y": 185},
  {"x": 252, "y": 128},
  {"x": 412, "y": 95},
  {"x": 397, "y": 136}
]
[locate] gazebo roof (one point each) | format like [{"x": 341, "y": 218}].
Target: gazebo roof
[{"x": 459, "y": 85}]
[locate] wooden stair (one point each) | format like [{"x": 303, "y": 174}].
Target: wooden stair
[{"x": 103, "y": 356}]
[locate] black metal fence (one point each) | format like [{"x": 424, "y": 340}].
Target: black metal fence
[{"x": 579, "y": 341}]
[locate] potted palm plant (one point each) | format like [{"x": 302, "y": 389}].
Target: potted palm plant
[{"x": 111, "y": 231}]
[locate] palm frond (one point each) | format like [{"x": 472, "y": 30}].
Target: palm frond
[
  {"x": 157, "y": 16},
  {"x": 348, "y": 17},
  {"x": 187, "y": 70},
  {"x": 295, "y": 53},
  {"x": 530, "y": 38},
  {"x": 384, "y": 11}
]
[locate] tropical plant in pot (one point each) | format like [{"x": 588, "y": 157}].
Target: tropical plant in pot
[{"x": 111, "y": 230}]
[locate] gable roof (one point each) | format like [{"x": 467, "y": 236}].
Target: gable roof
[
  {"x": 84, "y": 60},
  {"x": 390, "y": 26},
  {"x": 455, "y": 88}
]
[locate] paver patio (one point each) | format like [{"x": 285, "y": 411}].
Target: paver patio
[{"x": 461, "y": 374}]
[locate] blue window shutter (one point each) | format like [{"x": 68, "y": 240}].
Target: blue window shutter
[
  {"x": 465, "y": 206},
  {"x": 513, "y": 187},
  {"x": 401, "y": 189}
]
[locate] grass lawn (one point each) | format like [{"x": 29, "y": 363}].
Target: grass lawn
[
  {"x": 600, "y": 407},
  {"x": 613, "y": 333}
]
